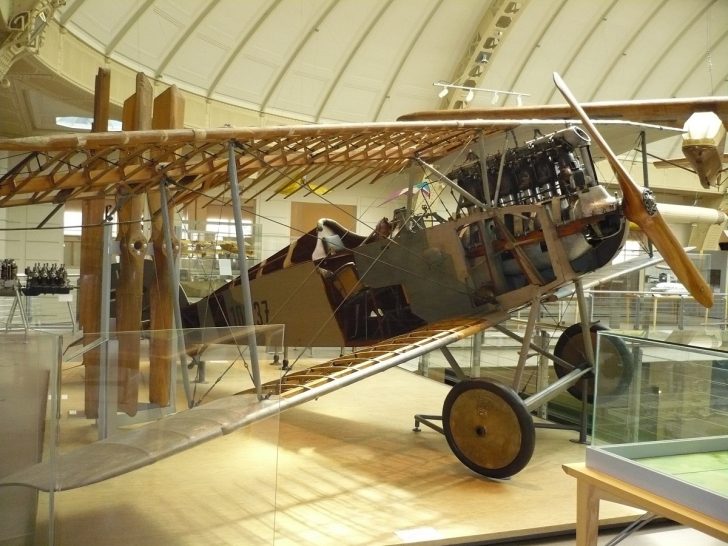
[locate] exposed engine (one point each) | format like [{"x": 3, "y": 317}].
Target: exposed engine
[
  {"x": 558, "y": 164},
  {"x": 554, "y": 174}
]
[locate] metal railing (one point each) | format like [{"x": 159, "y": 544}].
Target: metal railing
[
  {"x": 616, "y": 310},
  {"x": 620, "y": 310}
]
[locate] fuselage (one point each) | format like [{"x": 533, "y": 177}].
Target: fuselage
[{"x": 547, "y": 220}]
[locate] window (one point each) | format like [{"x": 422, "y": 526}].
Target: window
[{"x": 226, "y": 228}]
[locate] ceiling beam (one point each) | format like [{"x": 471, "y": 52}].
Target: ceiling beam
[
  {"x": 404, "y": 57},
  {"x": 69, "y": 11},
  {"x": 639, "y": 29},
  {"x": 647, "y": 75},
  {"x": 352, "y": 52},
  {"x": 130, "y": 22},
  {"x": 204, "y": 12},
  {"x": 535, "y": 43},
  {"x": 234, "y": 52},
  {"x": 492, "y": 30},
  {"x": 283, "y": 69},
  {"x": 587, "y": 31}
]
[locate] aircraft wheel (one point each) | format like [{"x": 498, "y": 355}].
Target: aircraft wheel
[
  {"x": 615, "y": 361},
  {"x": 488, "y": 428}
]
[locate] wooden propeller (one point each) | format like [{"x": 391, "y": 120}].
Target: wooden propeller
[{"x": 640, "y": 208}]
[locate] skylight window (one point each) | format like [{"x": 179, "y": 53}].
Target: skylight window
[{"x": 83, "y": 123}]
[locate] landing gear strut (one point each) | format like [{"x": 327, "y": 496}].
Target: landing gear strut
[{"x": 277, "y": 360}]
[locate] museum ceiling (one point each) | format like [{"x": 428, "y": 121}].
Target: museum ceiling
[{"x": 259, "y": 62}]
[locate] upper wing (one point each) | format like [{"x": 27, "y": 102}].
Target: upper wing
[
  {"x": 57, "y": 168},
  {"x": 665, "y": 113},
  {"x": 669, "y": 112},
  {"x": 54, "y": 169},
  {"x": 131, "y": 450}
]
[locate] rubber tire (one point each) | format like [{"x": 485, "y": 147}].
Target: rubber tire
[
  {"x": 619, "y": 369},
  {"x": 500, "y": 398}
]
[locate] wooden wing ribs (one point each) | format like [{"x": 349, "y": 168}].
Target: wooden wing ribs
[{"x": 58, "y": 168}]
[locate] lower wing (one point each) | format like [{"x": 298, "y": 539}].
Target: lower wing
[{"x": 134, "y": 449}]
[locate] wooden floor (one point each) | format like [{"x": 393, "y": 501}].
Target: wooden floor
[{"x": 345, "y": 469}]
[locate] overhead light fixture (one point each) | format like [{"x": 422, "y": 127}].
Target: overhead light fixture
[
  {"x": 38, "y": 25},
  {"x": 482, "y": 57},
  {"x": 446, "y": 86}
]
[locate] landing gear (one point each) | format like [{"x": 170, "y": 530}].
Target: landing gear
[
  {"x": 615, "y": 361},
  {"x": 199, "y": 364},
  {"x": 488, "y": 428},
  {"x": 277, "y": 360}
]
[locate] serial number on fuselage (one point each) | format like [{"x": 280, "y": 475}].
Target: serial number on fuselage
[{"x": 261, "y": 313}]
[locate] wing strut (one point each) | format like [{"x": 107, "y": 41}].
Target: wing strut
[
  {"x": 645, "y": 178},
  {"x": 467, "y": 195},
  {"x": 172, "y": 270},
  {"x": 585, "y": 325},
  {"x": 527, "y": 336},
  {"x": 104, "y": 318},
  {"x": 242, "y": 260}
]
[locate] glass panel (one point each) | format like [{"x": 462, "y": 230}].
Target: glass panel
[
  {"x": 665, "y": 429},
  {"x": 28, "y": 375},
  {"x": 673, "y": 392},
  {"x": 167, "y": 484}
]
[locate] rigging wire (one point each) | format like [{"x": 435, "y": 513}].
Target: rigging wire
[
  {"x": 200, "y": 261},
  {"x": 413, "y": 272},
  {"x": 377, "y": 260},
  {"x": 301, "y": 286},
  {"x": 362, "y": 277},
  {"x": 333, "y": 313},
  {"x": 323, "y": 198}
]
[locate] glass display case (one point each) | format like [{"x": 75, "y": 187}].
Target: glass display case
[
  {"x": 29, "y": 373},
  {"x": 666, "y": 430},
  {"x": 209, "y": 256}
]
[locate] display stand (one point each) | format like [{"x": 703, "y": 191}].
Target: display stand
[
  {"x": 593, "y": 486},
  {"x": 42, "y": 291},
  {"x": 14, "y": 292}
]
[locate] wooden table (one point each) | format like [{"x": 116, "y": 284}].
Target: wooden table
[{"x": 593, "y": 486}]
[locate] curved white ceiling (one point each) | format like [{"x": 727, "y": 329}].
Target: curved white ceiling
[{"x": 372, "y": 60}]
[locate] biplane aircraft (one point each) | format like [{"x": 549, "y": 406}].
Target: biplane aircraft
[{"x": 532, "y": 219}]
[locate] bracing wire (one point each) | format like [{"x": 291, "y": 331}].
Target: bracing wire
[{"x": 378, "y": 259}]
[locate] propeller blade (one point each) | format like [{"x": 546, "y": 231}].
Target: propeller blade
[{"x": 640, "y": 208}]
